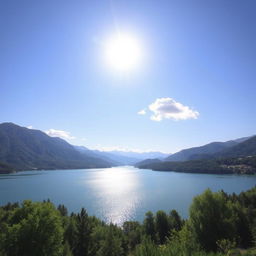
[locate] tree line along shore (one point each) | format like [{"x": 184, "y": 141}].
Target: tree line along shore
[{"x": 218, "y": 224}]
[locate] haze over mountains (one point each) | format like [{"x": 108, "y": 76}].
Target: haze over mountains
[
  {"x": 25, "y": 149},
  {"x": 122, "y": 157}
]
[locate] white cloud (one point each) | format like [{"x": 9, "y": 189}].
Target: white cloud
[
  {"x": 142, "y": 112},
  {"x": 168, "y": 108},
  {"x": 30, "y": 127},
  {"x": 59, "y": 133}
]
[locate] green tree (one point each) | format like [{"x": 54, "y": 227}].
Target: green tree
[
  {"x": 63, "y": 210},
  {"x": 242, "y": 225},
  {"x": 34, "y": 229},
  {"x": 98, "y": 234},
  {"x": 175, "y": 221},
  {"x": 132, "y": 232},
  {"x": 147, "y": 248},
  {"x": 210, "y": 219},
  {"x": 71, "y": 231},
  {"x": 66, "y": 250},
  {"x": 162, "y": 226},
  {"x": 149, "y": 226},
  {"x": 182, "y": 242},
  {"x": 83, "y": 233},
  {"x": 111, "y": 245},
  {"x": 225, "y": 245}
]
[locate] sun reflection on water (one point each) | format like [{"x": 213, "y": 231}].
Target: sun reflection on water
[{"x": 116, "y": 193}]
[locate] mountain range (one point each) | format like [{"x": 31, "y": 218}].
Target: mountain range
[
  {"x": 28, "y": 149},
  {"x": 122, "y": 157},
  {"x": 25, "y": 149},
  {"x": 237, "y": 156},
  {"x": 205, "y": 151}
]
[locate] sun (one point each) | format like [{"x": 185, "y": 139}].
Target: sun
[{"x": 122, "y": 52}]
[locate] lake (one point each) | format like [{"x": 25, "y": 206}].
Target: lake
[{"x": 117, "y": 194}]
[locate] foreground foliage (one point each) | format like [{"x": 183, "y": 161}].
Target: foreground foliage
[{"x": 218, "y": 225}]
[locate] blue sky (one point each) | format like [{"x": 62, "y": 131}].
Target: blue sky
[{"x": 198, "y": 54}]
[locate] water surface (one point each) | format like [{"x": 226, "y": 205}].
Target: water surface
[{"x": 117, "y": 194}]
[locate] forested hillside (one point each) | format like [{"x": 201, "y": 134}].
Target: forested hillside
[
  {"x": 26, "y": 149},
  {"x": 4, "y": 168},
  {"x": 245, "y": 148},
  {"x": 237, "y": 157},
  {"x": 241, "y": 165},
  {"x": 200, "y": 152},
  {"x": 233, "y": 148}
]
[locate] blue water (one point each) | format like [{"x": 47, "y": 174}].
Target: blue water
[{"x": 117, "y": 194}]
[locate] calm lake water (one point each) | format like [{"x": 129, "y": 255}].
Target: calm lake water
[{"x": 117, "y": 194}]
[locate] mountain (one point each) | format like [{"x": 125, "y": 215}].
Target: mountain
[
  {"x": 25, "y": 149},
  {"x": 203, "y": 152},
  {"x": 119, "y": 158},
  {"x": 239, "y": 140},
  {"x": 122, "y": 157},
  {"x": 242, "y": 149},
  {"x": 148, "y": 162},
  {"x": 238, "y": 156},
  {"x": 99, "y": 154},
  {"x": 4, "y": 168},
  {"x": 241, "y": 165},
  {"x": 139, "y": 155}
]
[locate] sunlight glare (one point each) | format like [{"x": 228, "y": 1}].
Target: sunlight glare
[
  {"x": 122, "y": 52},
  {"x": 119, "y": 190}
]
